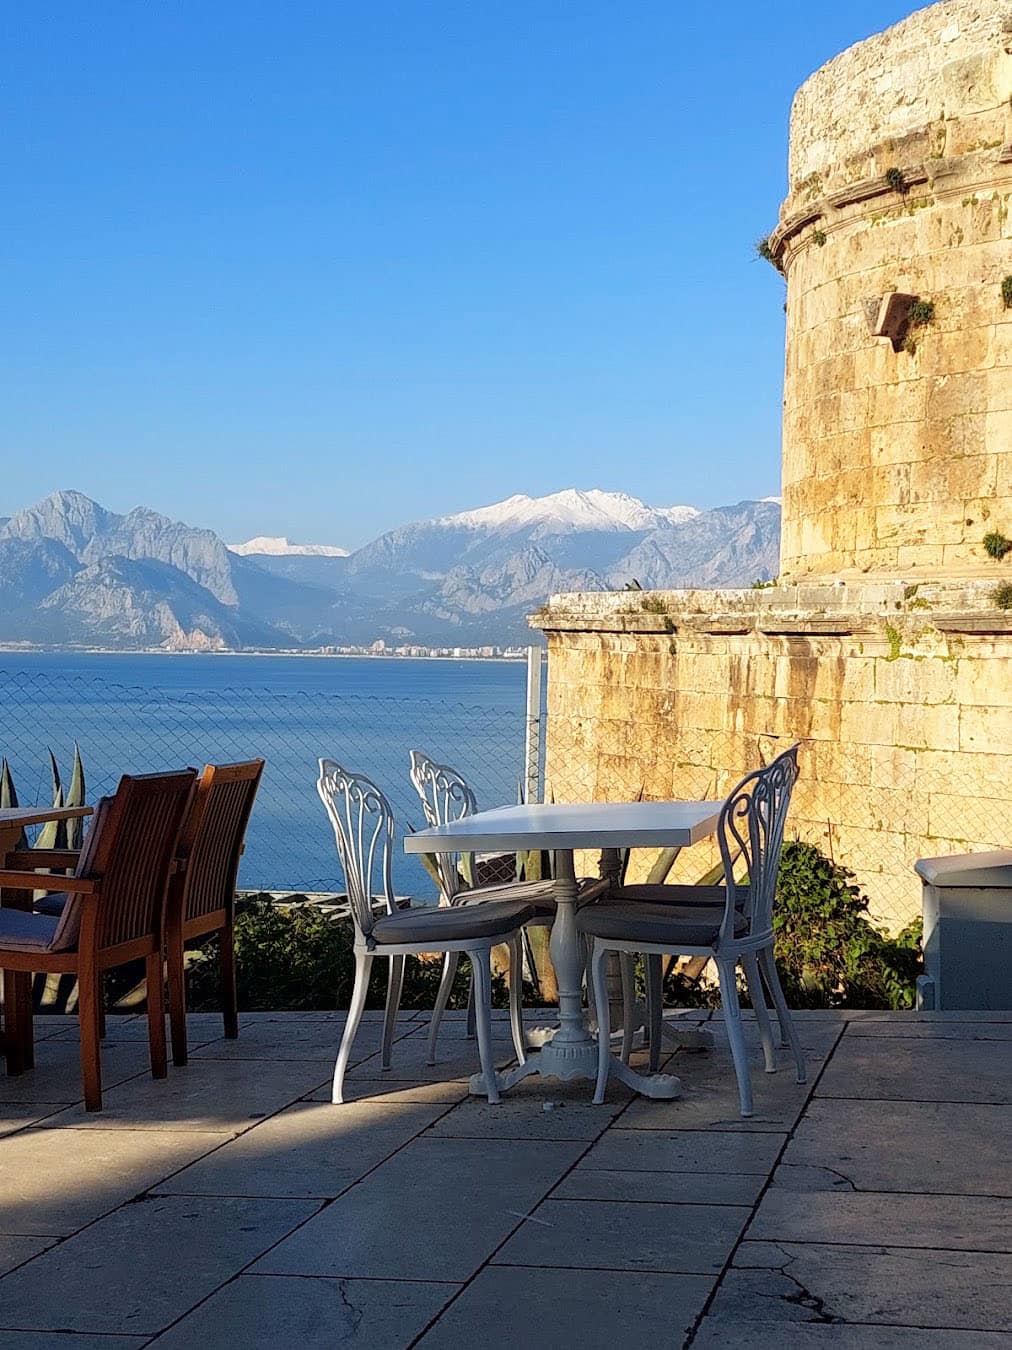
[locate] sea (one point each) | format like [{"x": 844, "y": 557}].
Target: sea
[{"x": 141, "y": 713}]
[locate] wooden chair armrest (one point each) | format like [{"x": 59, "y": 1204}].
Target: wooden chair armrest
[
  {"x": 47, "y": 881},
  {"x": 43, "y": 857}
]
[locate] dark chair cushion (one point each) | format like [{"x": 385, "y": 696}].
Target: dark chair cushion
[
  {"x": 675, "y": 895},
  {"x": 452, "y": 923},
  {"x": 674, "y": 926}
]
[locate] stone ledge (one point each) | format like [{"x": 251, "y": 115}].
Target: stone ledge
[{"x": 839, "y": 609}]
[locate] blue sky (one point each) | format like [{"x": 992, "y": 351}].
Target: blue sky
[{"x": 317, "y": 269}]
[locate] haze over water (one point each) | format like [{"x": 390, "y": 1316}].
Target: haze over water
[{"x": 137, "y": 713}]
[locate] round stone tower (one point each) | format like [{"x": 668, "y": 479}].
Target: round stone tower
[{"x": 896, "y": 243}]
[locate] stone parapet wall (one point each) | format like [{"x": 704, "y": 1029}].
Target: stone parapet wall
[
  {"x": 897, "y": 452},
  {"x": 901, "y": 696}
]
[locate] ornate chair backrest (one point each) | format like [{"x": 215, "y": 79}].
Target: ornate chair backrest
[
  {"x": 751, "y": 829},
  {"x": 363, "y": 822},
  {"x": 211, "y": 843},
  {"x": 446, "y": 797},
  {"x": 131, "y": 850}
]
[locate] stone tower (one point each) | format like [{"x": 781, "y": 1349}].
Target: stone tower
[
  {"x": 885, "y": 649},
  {"x": 895, "y": 240}
]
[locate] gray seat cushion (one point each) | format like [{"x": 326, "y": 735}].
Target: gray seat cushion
[
  {"x": 676, "y": 895},
  {"x": 538, "y": 894},
  {"x": 671, "y": 925},
  {"x": 23, "y": 931},
  {"x": 452, "y": 923}
]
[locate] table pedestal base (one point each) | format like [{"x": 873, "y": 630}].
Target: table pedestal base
[{"x": 578, "y": 1059}]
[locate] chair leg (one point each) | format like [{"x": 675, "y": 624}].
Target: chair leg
[
  {"x": 177, "y": 996},
  {"x": 155, "y": 982},
  {"x": 229, "y": 992},
  {"x": 516, "y": 990},
  {"x": 88, "y": 1015},
  {"x": 655, "y": 1009},
  {"x": 768, "y": 966},
  {"x": 21, "y": 999},
  {"x": 101, "y": 1006},
  {"x": 481, "y": 964},
  {"x": 450, "y": 962},
  {"x": 599, "y": 976},
  {"x": 395, "y": 984},
  {"x": 588, "y": 953},
  {"x": 363, "y": 965},
  {"x": 627, "y": 968},
  {"x": 13, "y": 1031},
  {"x": 735, "y": 1033},
  {"x": 762, "y": 1014},
  {"x": 470, "y": 1025}
]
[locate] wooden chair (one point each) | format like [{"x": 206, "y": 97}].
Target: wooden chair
[
  {"x": 115, "y": 913},
  {"x": 202, "y": 892}
]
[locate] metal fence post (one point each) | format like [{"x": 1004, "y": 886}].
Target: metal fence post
[{"x": 532, "y": 746}]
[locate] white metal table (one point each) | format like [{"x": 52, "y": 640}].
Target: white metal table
[{"x": 561, "y": 829}]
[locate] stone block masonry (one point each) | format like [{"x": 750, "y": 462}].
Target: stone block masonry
[{"x": 901, "y": 698}]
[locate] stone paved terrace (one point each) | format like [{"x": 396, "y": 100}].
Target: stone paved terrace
[{"x": 234, "y": 1206}]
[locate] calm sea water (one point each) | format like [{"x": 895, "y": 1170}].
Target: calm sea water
[{"x": 141, "y": 713}]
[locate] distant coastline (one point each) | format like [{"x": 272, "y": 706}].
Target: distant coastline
[{"x": 28, "y": 649}]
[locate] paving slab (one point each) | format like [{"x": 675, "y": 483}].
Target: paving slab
[
  {"x": 919, "y": 1069},
  {"x": 536, "y": 1108},
  {"x": 301, "y": 1038},
  {"x": 215, "y": 1095},
  {"x": 145, "y": 1265},
  {"x": 15, "y": 1250},
  {"x": 394, "y": 1091},
  {"x": 309, "y": 1149},
  {"x": 131, "y": 1027},
  {"x": 931, "y": 1031},
  {"x": 612, "y": 1235},
  {"x": 716, "y": 1334},
  {"x": 55, "y": 1181},
  {"x": 932, "y": 1147},
  {"x": 721, "y": 1151},
  {"x": 59, "y": 1340},
  {"x": 454, "y": 1059},
  {"x": 710, "y": 1097},
  {"x": 15, "y": 1116},
  {"x": 594, "y": 1309},
  {"x": 434, "y": 1211},
  {"x": 263, "y": 1312},
  {"x": 963, "y": 1222},
  {"x": 56, "y": 1077},
  {"x": 687, "y": 1188},
  {"x": 897, "y": 1286}
]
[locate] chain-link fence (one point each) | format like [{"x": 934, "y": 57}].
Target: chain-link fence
[
  {"x": 874, "y": 808},
  {"x": 290, "y": 847}
]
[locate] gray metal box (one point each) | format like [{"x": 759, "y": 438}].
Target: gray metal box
[{"x": 967, "y": 909}]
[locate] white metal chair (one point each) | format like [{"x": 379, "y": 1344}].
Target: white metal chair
[
  {"x": 447, "y": 797},
  {"x": 363, "y": 829},
  {"x": 736, "y": 927}
]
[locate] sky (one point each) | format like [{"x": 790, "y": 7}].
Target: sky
[{"x": 318, "y": 269}]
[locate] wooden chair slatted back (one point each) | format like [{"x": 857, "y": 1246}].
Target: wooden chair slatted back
[
  {"x": 212, "y": 841},
  {"x": 133, "y": 853}
]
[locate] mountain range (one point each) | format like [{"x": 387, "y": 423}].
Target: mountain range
[{"x": 75, "y": 574}]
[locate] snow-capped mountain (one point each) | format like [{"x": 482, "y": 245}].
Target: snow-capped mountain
[
  {"x": 571, "y": 509},
  {"x": 277, "y": 546},
  {"x": 72, "y": 572}
]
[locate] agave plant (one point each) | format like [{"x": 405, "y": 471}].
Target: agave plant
[{"x": 54, "y": 833}]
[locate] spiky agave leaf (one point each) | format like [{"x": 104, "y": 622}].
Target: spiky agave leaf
[
  {"x": 9, "y": 797},
  {"x": 53, "y": 833},
  {"x": 76, "y": 797}
]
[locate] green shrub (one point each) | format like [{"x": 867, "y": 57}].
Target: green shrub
[
  {"x": 996, "y": 545},
  {"x": 1002, "y": 595},
  {"x": 828, "y": 952},
  {"x": 293, "y": 956}
]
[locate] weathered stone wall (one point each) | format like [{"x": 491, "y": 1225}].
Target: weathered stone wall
[
  {"x": 900, "y": 461},
  {"x": 903, "y": 703}
]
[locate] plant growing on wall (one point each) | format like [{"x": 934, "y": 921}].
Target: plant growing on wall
[
  {"x": 894, "y": 177},
  {"x": 996, "y": 545},
  {"x": 1006, "y": 292},
  {"x": 764, "y": 249},
  {"x": 921, "y": 312},
  {"x": 1002, "y": 595}
]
